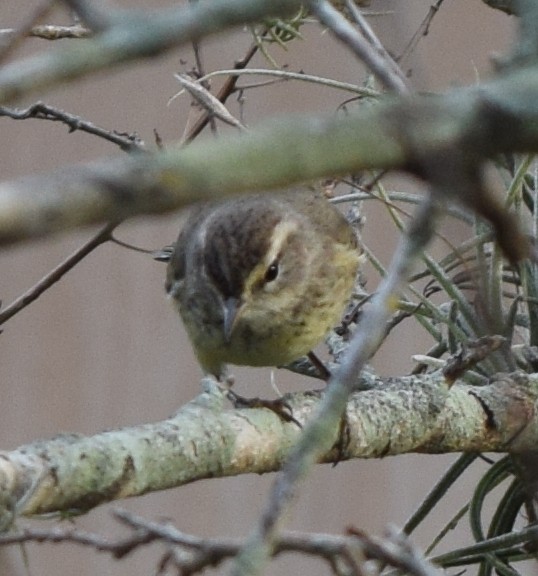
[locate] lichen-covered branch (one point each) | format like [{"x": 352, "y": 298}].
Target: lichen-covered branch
[
  {"x": 394, "y": 134},
  {"x": 205, "y": 439}
]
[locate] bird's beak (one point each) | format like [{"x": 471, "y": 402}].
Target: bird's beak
[{"x": 230, "y": 308}]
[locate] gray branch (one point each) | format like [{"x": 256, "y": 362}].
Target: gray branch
[
  {"x": 206, "y": 440},
  {"x": 134, "y": 35},
  {"x": 477, "y": 122}
]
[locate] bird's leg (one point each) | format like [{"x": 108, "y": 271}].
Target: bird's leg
[{"x": 324, "y": 372}]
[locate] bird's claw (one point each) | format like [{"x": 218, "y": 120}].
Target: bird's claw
[{"x": 279, "y": 406}]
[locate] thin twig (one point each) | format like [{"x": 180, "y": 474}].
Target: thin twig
[
  {"x": 368, "y": 33},
  {"x": 287, "y": 75},
  {"x": 389, "y": 75},
  {"x": 57, "y": 273},
  {"x": 200, "y": 71},
  {"x": 396, "y": 550},
  {"x": 18, "y": 35},
  {"x": 223, "y": 94},
  {"x": 42, "y": 111},
  {"x": 49, "y": 32},
  {"x": 422, "y": 31},
  {"x": 209, "y": 102},
  {"x": 192, "y": 554}
]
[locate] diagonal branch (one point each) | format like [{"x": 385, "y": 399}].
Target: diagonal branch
[
  {"x": 363, "y": 43},
  {"x": 42, "y": 111},
  {"x": 136, "y": 35},
  {"x": 393, "y": 134},
  {"x": 55, "y": 275}
]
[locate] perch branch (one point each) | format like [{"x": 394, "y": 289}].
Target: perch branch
[{"x": 203, "y": 440}]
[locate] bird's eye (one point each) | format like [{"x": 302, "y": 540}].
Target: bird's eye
[{"x": 272, "y": 272}]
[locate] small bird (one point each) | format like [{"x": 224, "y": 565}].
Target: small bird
[{"x": 259, "y": 280}]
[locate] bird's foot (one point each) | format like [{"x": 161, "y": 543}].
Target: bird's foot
[{"x": 279, "y": 406}]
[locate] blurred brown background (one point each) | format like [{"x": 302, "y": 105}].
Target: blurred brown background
[{"x": 103, "y": 348}]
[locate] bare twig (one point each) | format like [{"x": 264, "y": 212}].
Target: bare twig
[
  {"x": 377, "y": 61},
  {"x": 300, "y": 76},
  {"x": 207, "y": 100},
  {"x": 223, "y": 94},
  {"x": 200, "y": 71},
  {"x": 54, "y": 275},
  {"x": 368, "y": 33},
  {"x": 16, "y": 37},
  {"x": 117, "y": 548},
  {"x": 192, "y": 554},
  {"x": 471, "y": 354},
  {"x": 396, "y": 550},
  {"x": 422, "y": 31},
  {"x": 49, "y": 32},
  {"x": 42, "y": 111}
]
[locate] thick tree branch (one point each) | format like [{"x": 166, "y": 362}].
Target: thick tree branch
[
  {"x": 395, "y": 134},
  {"x": 204, "y": 440},
  {"x": 133, "y": 35}
]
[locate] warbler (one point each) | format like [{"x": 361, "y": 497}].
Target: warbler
[{"x": 259, "y": 280}]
